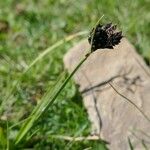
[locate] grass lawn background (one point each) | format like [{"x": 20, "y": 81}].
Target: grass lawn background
[{"x": 32, "y": 27}]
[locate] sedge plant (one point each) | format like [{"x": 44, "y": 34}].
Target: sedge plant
[
  {"x": 101, "y": 37},
  {"x": 48, "y": 99}
]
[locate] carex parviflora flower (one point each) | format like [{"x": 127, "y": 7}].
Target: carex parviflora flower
[{"x": 104, "y": 36}]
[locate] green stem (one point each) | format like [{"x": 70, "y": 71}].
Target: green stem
[
  {"x": 69, "y": 77},
  {"x": 43, "y": 106}
]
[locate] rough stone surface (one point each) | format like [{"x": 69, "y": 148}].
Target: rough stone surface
[{"x": 112, "y": 117}]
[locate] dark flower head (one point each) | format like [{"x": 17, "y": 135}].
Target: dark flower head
[{"x": 104, "y": 36}]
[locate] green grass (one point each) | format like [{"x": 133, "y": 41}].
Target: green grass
[{"x": 36, "y": 25}]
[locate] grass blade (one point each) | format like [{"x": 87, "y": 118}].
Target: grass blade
[
  {"x": 46, "y": 101},
  {"x": 130, "y": 144},
  {"x": 57, "y": 44}
]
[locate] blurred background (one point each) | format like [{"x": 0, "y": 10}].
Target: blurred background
[{"x": 27, "y": 28}]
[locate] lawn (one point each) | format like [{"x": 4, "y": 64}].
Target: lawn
[{"x": 27, "y": 28}]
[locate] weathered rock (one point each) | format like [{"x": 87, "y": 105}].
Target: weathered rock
[{"x": 113, "y": 117}]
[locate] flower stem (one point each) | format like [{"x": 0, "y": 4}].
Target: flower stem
[
  {"x": 70, "y": 76},
  {"x": 41, "y": 108}
]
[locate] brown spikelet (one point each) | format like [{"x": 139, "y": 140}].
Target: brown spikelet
[{"x": 104, "y": 36}]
